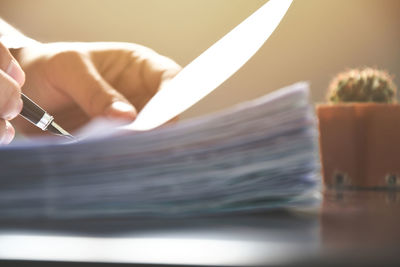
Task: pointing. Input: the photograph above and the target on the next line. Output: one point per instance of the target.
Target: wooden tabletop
(346, 228)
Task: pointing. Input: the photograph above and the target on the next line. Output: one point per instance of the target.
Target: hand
(11, 79)
(75, 82)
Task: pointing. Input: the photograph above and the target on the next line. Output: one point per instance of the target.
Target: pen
(39, 117)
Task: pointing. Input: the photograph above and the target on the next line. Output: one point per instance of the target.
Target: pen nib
(57, 130)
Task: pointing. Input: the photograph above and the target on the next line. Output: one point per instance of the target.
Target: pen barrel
(34, 113)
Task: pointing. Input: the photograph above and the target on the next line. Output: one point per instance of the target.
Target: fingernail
(15, 72)
(8, 134)
(123, 110)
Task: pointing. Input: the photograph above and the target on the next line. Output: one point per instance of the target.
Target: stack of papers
(258, 155)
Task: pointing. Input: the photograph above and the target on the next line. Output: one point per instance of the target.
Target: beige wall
(317, 38)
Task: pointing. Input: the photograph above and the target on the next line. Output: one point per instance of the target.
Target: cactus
(362, 85)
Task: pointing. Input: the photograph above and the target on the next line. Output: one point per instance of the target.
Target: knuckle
(65, 59)
(65, 68)
(69, 53)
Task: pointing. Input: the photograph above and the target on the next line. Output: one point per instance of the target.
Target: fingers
(7, 132)
(76, 75)
(11, 79)
(10, 66)
(10, 97)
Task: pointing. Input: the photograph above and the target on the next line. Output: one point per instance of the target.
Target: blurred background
(316, 39)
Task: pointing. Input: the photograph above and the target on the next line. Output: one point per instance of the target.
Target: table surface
(346, 228)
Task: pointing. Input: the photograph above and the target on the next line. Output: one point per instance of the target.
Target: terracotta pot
(360, 144)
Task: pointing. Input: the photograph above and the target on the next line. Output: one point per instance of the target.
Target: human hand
(76, 82)
(11, 79)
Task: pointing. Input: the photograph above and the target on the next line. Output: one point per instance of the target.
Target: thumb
(84, 84)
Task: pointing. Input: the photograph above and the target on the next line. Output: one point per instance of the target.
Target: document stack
(259, 155)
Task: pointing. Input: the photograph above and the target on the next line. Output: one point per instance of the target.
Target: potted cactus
(360, 131)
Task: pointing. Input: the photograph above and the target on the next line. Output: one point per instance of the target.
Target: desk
(346, 228)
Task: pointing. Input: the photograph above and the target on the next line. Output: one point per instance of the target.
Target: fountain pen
(39, 117)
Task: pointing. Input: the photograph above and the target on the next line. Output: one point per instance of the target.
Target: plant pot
(360, 145)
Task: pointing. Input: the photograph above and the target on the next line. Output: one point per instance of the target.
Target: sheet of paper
(212, 67)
